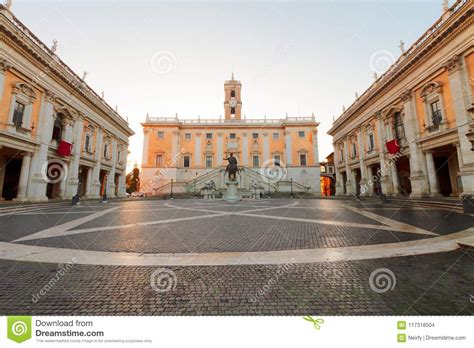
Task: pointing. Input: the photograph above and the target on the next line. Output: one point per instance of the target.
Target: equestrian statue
(232, 167)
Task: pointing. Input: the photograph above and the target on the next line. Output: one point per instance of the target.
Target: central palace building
(277, 155)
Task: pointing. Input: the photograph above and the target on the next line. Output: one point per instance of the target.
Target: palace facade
(408, 134)
(58, 138)
(276, 155)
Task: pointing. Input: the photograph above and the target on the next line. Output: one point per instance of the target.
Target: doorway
(12, 178)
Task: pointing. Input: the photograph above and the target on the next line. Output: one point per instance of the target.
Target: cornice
(50, 64)
(458, 22)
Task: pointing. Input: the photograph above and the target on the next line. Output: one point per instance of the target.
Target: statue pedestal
(231, 195)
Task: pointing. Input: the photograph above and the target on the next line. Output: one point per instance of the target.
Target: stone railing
(216, 121)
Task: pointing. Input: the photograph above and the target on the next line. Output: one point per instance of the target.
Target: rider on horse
(232, 167)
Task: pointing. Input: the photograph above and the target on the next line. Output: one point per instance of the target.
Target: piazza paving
(269, 256)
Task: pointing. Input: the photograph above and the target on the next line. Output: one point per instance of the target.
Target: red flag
(64, 148)
(393, 147)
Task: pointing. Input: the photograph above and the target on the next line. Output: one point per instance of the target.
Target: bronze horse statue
(232, 167)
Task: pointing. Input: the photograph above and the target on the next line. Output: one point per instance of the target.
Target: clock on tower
(232, 101)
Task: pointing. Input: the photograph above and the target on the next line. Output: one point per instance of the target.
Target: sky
(167, 58)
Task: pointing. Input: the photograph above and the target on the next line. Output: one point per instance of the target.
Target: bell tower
(232, 101)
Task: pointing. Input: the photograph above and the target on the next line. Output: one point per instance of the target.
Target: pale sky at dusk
(292, 57)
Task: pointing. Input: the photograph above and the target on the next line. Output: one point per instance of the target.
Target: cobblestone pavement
(436, 283)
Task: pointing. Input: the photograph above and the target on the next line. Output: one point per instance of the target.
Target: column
(44, 133)
(122, 185)
(288, 149)
(338, 186)
(349, 188)
(95, 191)
(198, 150)
(220, 149)
(73, 175)
(89, 182)
(418, 179)
(111, 174)
(245, 149)
(432, 178)
(364, 188)
(395, 183)
(266, 148)
(24, 173)
(146, 140)
(384, 179)
(461, 101)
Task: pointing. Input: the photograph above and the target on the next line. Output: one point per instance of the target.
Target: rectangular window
(106, 150)
(276, 136)
(87, 143)
(208, 161)
(371, 142)
(161, 135)
(354, 150)
(398, 123)
(323, 169)
(256, 162)
(18, 114)
(436, 115)
(232, 136)
(276, 160)
(302, 159)
(331, 169)
(187, 136)
(209, 136)
(341, 155)
(301, 134)
(254, 135)
(57, 128)
(159, 161)
(187, 161)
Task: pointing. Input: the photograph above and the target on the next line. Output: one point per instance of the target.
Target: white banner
(236, 332)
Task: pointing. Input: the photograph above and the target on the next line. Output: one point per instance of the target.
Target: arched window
(232, 111)
(232, 94)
